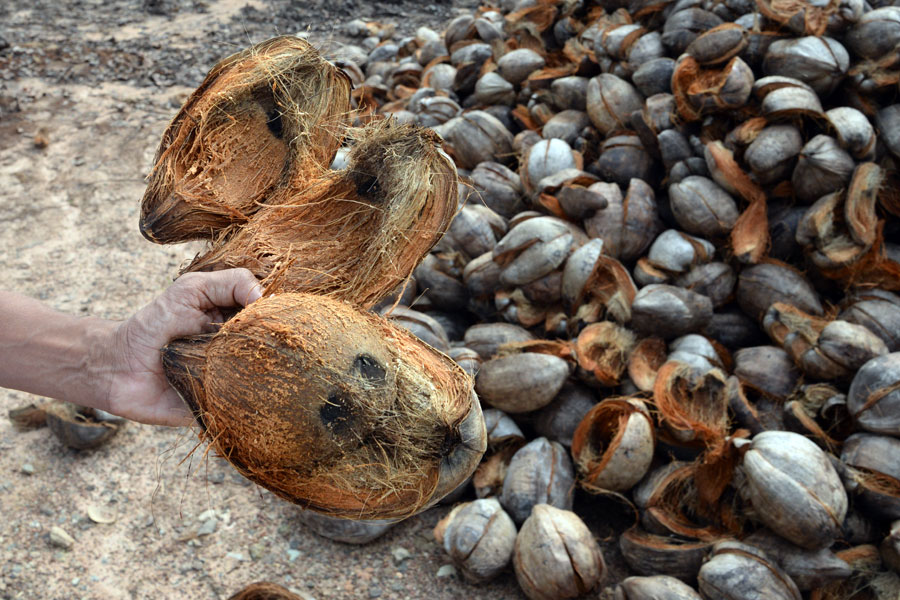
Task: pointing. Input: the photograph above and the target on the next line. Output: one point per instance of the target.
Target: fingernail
(255, 294)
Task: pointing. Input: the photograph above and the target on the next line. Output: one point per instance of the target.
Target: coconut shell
(353, 234)
(613, 445)
(331, 408)
(271, 114)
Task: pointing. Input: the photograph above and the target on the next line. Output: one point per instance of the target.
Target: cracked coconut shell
(331, 408)
(353, 234)
(264, 117)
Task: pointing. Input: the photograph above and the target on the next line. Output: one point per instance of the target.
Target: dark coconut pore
(331, 408)
(354, 234)
(263, 117)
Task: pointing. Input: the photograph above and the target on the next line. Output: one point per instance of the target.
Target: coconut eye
(369, 368)
(368, 187)
(267, 103)
(273, 121)
(337, 414)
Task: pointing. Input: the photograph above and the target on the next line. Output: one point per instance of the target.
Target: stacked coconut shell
(674, 274)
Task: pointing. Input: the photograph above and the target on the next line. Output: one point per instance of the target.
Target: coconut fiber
(262, 118)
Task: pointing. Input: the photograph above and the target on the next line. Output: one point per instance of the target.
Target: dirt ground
(86, 89)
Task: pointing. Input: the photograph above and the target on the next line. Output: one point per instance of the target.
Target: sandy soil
(86, 89)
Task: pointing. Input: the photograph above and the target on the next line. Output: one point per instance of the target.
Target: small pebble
(292, 554)
(257, 551)
(237, 556)
(400, 554)
(59, 537)
(446, 571)
(208, 526)
(374, 592)
(28, 469)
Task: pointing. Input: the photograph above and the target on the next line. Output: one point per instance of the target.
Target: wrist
(103, 353)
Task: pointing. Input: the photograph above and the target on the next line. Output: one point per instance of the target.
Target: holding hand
(115, 366)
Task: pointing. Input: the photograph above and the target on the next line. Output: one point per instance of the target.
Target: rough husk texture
(264, 590)
(354, 234)
(271, 114)
(328, 407)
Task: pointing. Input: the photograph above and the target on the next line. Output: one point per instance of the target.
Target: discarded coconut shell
(347, 531)
(540, 472)
(556, 557)
(80, 427)
(740, 572)
(656, 587)
(795, 489)
(613, 446)
(808, 568)
(268, 115)
(875, 395)
(353, 234)
(668, 555)
(479, 537)
(331, 408)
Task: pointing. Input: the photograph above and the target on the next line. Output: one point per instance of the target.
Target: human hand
(138, 388)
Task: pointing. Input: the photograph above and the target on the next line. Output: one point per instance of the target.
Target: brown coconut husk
(693, 407)
(609, 290)
(354, 234)
(675, 505)
(812, 17)
(264, 590)
(644, 362)
(273, 113)
(602, 350)
(750, 237)
(331, 408)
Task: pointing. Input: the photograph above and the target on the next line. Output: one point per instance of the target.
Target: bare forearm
(52, 354)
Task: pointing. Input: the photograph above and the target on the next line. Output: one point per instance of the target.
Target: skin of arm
(115, 366)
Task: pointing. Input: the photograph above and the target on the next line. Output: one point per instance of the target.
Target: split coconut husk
(693, 406)
(271, 114)
(353, 234)
(331, 408)
(613, 445)
(264, 590)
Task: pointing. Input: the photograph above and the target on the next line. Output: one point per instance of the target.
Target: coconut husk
(692, 406)
(601, 435)
(264, 590)
(354, 234)
(644, 362)
(29, 416)
(750, 236)
(675, 505)
(609, 290)
(271, 114)
(713, 473)
(811, 18)
(331, 408)
(602, 350)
